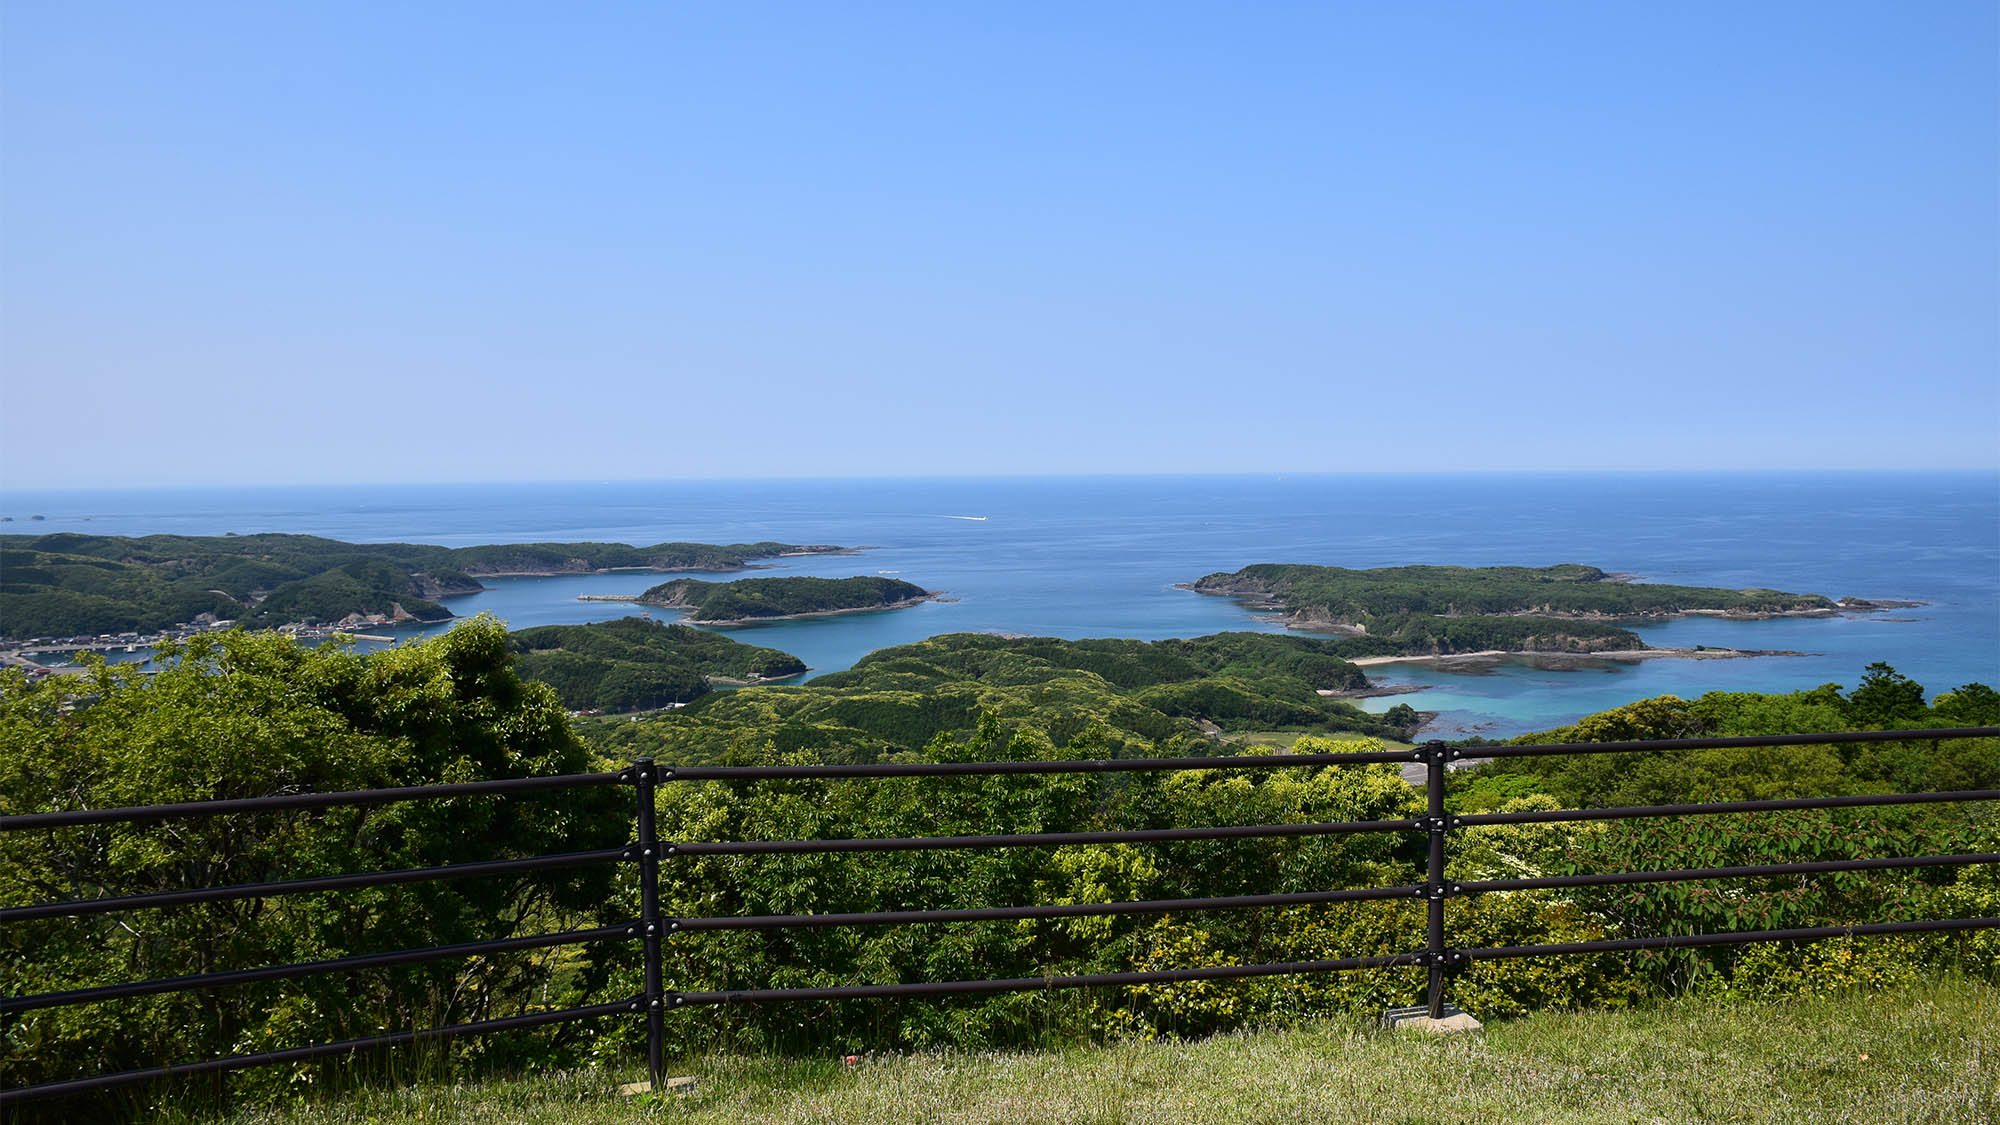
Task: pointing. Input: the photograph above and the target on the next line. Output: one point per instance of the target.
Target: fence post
(1435, 756)
(643, 775)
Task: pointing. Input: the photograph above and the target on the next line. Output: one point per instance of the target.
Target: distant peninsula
(752, 601)
(1414, 611)
(68, 585)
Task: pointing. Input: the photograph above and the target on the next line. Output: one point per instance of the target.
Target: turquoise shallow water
(1100, 556)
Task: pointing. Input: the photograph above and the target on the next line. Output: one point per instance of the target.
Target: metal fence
(651, 928)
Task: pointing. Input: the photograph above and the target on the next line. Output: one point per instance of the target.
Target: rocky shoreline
(1459, 661)
(1271, 608)
(1372, 691)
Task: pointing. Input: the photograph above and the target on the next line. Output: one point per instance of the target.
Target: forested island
(68, 585)
(748, 601)
(1091, 697)
(1445, 610)
(634, 664)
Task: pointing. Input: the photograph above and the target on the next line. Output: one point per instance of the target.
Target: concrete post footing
(1419, 1019)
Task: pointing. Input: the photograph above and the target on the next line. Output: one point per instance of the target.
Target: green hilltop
(633, 664)
(1121, 697)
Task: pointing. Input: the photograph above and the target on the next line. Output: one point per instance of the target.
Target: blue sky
(351, 242)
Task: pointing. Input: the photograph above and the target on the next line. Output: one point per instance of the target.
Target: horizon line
(10, 488)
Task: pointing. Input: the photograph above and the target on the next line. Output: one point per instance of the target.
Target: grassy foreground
(1925, 1054)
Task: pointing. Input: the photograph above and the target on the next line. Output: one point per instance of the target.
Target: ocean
(1101, 556)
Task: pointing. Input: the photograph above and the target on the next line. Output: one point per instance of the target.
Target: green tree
(1974, 705)
(248, 715)
(1886, 700)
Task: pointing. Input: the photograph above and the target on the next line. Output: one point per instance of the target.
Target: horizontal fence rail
(1018, 913)
(1685, 941)
(82, 907)
(289, 801)
(1026, 984)
(312, 968)
(1838, 738)
(1691, 874)
(1636, 812)
(1037, 839)
(652, 927)
(306, 801)
(996, 769)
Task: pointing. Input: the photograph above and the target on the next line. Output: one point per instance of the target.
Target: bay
(1101, 556)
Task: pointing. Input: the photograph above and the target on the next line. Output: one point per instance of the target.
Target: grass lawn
(1926, 1054)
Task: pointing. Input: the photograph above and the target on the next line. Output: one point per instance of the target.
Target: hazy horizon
(14, 499)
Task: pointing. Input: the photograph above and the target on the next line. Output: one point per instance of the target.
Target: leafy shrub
(247, 715)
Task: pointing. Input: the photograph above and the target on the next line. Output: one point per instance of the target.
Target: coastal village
(23, 654)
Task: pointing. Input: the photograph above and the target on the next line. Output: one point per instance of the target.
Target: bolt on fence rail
(651, 928)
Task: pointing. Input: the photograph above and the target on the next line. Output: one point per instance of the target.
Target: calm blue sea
(1099, 556)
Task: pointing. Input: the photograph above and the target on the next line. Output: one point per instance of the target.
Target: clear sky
(345, 241)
